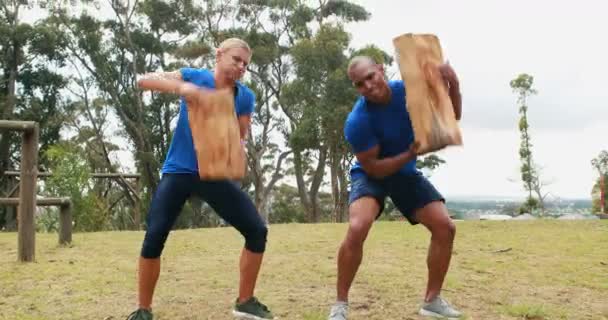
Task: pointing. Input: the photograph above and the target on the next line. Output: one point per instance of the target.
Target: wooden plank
(216, 136)
(17, 125)
(93, 175)
(42, 202)
(27, 196)
(427, 99)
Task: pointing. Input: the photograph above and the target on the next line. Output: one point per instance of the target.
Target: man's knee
(255, 239)
(445, 230)
(358, 230)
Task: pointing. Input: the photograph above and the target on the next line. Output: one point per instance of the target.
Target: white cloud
(489, 43)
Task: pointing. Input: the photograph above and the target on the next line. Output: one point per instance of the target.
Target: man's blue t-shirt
(181, 157)
(389, 126)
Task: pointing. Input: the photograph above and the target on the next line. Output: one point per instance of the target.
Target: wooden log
(93, 175)
(65, 214)
(43, 202)
(427, 99)
(216, 136)
(27, 195)
(18, 125)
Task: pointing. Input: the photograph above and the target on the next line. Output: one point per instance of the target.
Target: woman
(180, 179)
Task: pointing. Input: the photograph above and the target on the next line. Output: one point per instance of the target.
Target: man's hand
(449, 76)
(453, 84)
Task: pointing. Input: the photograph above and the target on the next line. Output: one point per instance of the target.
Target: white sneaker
(338, 311)
(439, 307)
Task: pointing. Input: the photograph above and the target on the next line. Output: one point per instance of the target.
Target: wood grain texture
(427, 99)
(216, 135)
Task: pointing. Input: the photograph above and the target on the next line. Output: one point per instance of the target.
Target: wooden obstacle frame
(26, 202)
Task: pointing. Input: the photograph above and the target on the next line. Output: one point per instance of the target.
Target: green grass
(553, 270)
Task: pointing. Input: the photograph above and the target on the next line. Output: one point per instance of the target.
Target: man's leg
(166, 205)
(420, 202)
(366, 201)
(362, 213)
(234, 206)
(434, 216)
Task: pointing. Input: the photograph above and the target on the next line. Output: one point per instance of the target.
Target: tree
(523, 86)
(600, 163)
(317, 100)
(31, 87)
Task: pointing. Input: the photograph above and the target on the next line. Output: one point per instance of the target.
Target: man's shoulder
(358, 114)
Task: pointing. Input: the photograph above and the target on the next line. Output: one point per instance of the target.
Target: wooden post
(27, 195)
(65, 224)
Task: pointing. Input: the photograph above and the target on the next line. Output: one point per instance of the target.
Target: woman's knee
(255, 239)
(154, 243)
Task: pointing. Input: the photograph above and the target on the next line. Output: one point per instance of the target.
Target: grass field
(500, 270)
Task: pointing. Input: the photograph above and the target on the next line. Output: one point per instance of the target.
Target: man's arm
(380, 168)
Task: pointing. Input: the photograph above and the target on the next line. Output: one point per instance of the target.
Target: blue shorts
(408, 192)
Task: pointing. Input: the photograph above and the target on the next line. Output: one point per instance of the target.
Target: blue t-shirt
(181, 157)
(389, 126)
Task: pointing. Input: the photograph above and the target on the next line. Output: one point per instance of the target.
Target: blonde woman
(180, 179)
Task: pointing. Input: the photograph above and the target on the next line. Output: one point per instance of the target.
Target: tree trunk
(342, 208)
(339, 188)
(302, 193)
(602, 194)
(317, 179)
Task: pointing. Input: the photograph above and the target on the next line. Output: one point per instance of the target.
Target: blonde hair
(355, 61)
(231, 43)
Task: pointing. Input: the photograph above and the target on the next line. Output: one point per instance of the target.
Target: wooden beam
(93, 175)
(42, 202)
(27, 126)
(65, 214)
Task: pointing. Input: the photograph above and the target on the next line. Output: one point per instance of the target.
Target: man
(380, 133)
(181, 179)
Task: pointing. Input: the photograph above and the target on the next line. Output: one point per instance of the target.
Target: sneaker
(440, 308)
(338, 311)
(140, 314)
(251, 309)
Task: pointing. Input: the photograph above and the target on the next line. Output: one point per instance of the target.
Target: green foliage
(523, 86)
(286, 206)
(71, 178)
(529, 206)
(595, 195)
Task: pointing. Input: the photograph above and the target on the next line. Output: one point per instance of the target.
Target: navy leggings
(224, 196)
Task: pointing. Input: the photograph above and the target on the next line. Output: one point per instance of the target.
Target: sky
(488, 43)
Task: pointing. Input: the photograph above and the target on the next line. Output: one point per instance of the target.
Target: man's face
(368, 79)
(233, 62)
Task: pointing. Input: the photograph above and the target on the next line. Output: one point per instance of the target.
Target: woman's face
(233, 62)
